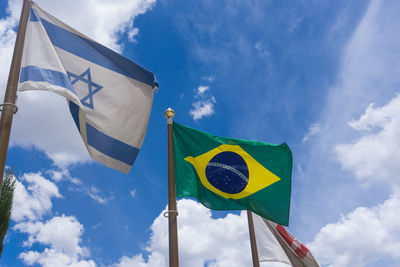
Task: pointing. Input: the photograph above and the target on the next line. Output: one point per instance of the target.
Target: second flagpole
(172, 212)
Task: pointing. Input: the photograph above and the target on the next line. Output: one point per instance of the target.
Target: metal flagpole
(8, 107)
(253, 244)
(172, 212)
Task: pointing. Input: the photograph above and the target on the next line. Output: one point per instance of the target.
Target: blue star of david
(92, 87)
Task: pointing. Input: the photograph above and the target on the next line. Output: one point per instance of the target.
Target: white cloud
(63, 235)
(361, 237)
(374, 155)
(45, 116)
(314, 129)
(57, 175)
(201, 89)
(33, 200)
(202, 108)
(202, 239)
(155, 259)
(51, 258)
(205, 106)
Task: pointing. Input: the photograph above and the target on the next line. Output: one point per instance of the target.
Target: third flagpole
(253, 243)
(172, 210)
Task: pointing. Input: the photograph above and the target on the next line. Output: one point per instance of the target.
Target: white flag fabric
(276, 244)
(269, 249)
(109, 96)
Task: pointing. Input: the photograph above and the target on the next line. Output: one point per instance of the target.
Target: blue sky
(321, 76)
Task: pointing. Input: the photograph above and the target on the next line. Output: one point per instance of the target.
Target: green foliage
(6, 201)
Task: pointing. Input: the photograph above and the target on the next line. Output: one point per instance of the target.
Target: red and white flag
(276, 244)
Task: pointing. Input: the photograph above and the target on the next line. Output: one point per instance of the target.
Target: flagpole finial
(169, 113)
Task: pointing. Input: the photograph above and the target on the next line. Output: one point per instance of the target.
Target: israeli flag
(109, 96)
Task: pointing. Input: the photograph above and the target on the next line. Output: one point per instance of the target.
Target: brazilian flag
(233, 174)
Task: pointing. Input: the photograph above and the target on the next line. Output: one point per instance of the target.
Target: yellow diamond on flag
(231, 172)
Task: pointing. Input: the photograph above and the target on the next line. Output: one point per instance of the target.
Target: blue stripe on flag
(36, 74)
(74, 109)
(104, 143)
(96, 53)
(111, 146)
(34, 15)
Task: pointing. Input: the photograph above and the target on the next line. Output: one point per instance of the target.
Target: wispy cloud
(93, 192)
(77, 185)
(262, 50)
(314, 129)
(210, 78)
(100, 224)
(364, 140)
